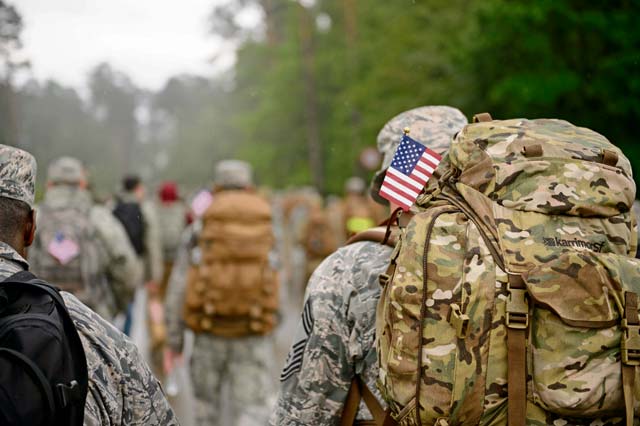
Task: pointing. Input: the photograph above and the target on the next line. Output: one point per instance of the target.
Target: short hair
(130, 182)
(13, 216)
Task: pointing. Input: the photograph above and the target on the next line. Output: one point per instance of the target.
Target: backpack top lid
(546, 165)
(43, 368)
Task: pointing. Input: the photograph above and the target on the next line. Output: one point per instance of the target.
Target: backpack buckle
(68, 394)
(459, 321)
(384, 279)
(517, 308)
(630, 343)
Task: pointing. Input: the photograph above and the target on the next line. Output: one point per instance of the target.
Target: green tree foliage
(568, 59)
(315, 80)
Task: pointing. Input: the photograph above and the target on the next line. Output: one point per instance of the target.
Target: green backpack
(510, 298)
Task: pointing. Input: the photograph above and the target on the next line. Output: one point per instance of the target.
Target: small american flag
(63, 249)
(201, 202)
(411, 167)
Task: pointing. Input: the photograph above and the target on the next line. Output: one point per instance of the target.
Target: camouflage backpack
(67, 253)
(510, 298)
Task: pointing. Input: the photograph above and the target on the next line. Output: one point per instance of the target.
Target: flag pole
(406, 130)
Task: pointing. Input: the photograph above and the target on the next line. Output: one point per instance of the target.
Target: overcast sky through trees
(150, 40)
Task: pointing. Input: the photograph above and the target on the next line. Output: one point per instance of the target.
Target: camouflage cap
(18, 171)
(233, 174)
(66, 170)
(433, 126)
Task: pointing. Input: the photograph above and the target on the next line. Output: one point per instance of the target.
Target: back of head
(233, 174)
(66, 171)
(130, 183)
(168, 192)
(432, 126)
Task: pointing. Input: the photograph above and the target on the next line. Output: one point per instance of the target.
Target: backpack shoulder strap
(359, 391)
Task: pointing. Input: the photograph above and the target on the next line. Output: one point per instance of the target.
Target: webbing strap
(628, 383)
(516, 366)
(629, 371)
(388, 420)
(360, 391)
(482, 117)
(351, 405)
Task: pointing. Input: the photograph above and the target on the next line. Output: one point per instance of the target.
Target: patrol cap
(233, 174)
(66, 170)
(432, 126)
(18, 171)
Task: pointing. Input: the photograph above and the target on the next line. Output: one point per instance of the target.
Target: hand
(171, 360)
(152, 287)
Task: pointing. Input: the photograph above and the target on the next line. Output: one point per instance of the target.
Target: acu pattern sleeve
(335, 337)
(122, 389)
(176, 289)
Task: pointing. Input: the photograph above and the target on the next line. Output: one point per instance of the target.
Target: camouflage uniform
(241, 362)
(122, 390)
(335, 338)
(121, 268)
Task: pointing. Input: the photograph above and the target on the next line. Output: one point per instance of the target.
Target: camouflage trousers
(242, 367)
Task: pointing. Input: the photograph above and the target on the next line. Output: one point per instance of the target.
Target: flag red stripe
(409, 192)
(390, 196)
(400, 191)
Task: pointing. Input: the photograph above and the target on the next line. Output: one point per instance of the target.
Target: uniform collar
(10, 261)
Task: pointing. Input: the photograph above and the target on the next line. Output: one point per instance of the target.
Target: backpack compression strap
(629, 364)
(517, 326)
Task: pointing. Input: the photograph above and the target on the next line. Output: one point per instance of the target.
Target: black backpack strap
(36, 374)
(26, 277)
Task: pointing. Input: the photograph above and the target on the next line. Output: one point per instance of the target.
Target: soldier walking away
(224, 287)
(172, 220)
(332, 363)
(110, 382)
(140, 222)
(80, 247)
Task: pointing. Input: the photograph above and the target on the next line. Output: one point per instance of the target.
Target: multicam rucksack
(67, 252)
(232, 291)
(510, 298)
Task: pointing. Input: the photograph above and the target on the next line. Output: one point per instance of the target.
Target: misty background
(298, 88)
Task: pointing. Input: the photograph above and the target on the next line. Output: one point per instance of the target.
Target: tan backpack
(233, 291)
(511, 298)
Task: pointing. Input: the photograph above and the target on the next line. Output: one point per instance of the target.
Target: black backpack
(130, 215)
(43, 369)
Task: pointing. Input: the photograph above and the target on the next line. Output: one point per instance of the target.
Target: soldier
(333, 359)
(141, 224)
(122, 390)
(80, 246)
(224, 287)
(356, 209)
(172, 219)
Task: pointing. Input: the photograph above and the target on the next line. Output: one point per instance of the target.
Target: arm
(319, 367)
(122, 267)
(176, 288)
